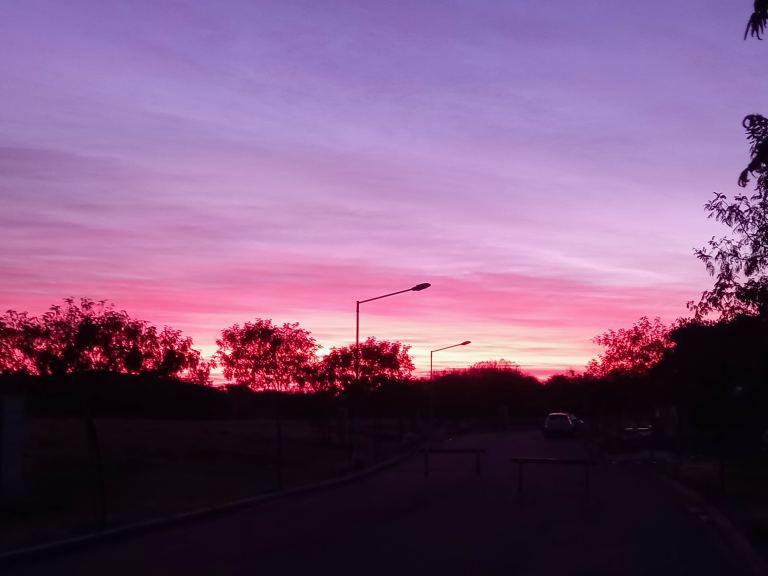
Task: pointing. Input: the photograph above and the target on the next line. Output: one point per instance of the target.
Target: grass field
(155, 467)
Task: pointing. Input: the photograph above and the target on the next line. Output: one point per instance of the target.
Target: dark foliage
(757, 20)
(113, 395)
(739, 261)
(717, 377)
(381, 362)
(632, 351)
(263, 356)
(489, 390)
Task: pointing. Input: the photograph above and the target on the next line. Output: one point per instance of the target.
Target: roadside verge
(710, 513)
(740, 544)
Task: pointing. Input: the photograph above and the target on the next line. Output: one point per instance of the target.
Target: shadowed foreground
(452, 523)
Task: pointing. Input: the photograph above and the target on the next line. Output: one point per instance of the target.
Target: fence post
(377, 449)
(11, 448)
(278, 444)
(721, 473)
(97, 466)
(587, 466)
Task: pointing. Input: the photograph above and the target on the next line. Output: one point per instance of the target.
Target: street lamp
(417, 288)
(431, 352)
(431, 415)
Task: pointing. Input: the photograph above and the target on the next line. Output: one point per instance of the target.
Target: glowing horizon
(543, 166)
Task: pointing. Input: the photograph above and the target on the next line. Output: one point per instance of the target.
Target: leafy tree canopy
(632, 350)
(757, 20)
(381, 361)
(739, 261)
(501, 365)
(268, 357)
(88, 336)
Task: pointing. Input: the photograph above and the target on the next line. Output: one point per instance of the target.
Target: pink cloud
(543, 324)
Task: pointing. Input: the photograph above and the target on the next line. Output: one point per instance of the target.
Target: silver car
(559, 424)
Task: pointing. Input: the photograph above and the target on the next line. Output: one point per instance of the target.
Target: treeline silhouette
(699, 382)
(83, 337)
(86, 357)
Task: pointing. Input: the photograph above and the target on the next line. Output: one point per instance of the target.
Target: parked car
(559, 424)
(638, 431)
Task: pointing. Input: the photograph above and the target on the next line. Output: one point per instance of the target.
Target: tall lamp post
(417, 288)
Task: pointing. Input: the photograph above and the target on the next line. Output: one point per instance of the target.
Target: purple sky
(542, 164)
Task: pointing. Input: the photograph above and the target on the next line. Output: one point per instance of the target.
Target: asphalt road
(398, 522)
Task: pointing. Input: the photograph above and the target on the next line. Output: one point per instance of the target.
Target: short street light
(431, 391)
(431, 352)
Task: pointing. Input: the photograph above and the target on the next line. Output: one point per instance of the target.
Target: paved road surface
(398, 522)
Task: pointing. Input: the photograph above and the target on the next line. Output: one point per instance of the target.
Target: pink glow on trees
(263, 356)
(632, 350)
(381, 361)
(86, 336)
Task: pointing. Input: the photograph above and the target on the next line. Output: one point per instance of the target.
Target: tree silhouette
(86, 336)
(739, 261)
(19, 334)
(381, 361)
(632, 350)
(501, 365)
(488, 389)
(717, 371)
(757, 20)
(268, 357)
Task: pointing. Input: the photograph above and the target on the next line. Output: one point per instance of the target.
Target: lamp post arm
(384, 296)
(446, 347)
(417, 288)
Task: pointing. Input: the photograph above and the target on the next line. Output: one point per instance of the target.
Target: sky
(543, 165)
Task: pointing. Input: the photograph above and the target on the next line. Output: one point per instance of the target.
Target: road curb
(740, 544)
(198, 514)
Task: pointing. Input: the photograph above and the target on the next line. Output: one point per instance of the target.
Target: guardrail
(478, 453)
(586, 463)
